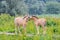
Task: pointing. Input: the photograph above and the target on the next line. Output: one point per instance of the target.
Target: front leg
(44, 30)
(24, 27)
(37, 29)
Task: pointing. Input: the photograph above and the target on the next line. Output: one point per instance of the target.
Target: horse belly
(20, 22)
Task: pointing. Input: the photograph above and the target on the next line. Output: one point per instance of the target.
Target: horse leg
(15, 29)
(19, 29)
(24, 27)
(37, 29)
(44, 30)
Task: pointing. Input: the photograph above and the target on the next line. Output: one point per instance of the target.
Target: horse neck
(35, 19)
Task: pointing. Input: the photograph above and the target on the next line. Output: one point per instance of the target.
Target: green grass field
(52, 26)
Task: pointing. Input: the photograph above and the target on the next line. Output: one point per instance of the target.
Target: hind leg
(24, 27)
(19, 30)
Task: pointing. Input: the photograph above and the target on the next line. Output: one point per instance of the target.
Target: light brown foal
(21, 21)
(38, 22)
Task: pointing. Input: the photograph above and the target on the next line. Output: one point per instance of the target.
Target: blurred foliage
(32, 7)
(53, 7)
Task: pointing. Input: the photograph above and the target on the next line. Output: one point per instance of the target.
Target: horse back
(42, 21)
(18, 20)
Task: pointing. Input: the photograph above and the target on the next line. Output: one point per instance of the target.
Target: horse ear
(24, 17)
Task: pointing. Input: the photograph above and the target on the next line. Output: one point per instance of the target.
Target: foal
(38, 22)
(21, 21)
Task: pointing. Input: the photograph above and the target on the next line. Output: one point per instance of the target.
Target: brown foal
(21, 21)
(38, 22)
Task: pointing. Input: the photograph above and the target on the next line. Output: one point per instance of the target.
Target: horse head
(27, 17)
(33, 18)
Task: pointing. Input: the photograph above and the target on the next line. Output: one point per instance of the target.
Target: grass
(52, 26)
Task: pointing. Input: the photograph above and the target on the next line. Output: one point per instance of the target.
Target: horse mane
(35, 17)
(24, 17)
